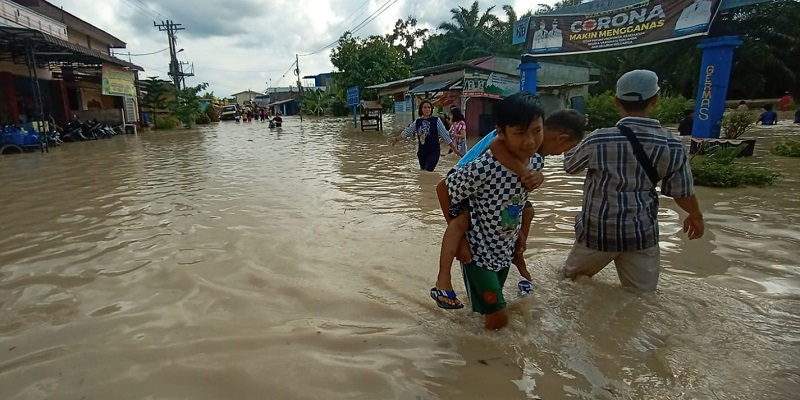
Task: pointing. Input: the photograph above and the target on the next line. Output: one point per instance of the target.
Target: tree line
(766, 65)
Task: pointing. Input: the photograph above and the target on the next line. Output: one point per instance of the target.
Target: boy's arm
(501, 153)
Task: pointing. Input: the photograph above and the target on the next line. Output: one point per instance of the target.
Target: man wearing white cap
(619, 216)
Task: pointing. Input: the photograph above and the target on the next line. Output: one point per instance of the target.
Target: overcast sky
(246, 44)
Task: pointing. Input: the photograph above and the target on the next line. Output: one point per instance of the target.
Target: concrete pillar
(528, 76)
(712, 90)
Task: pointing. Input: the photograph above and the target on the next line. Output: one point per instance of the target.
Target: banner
(489, 84)
(118, 81)
(521, 30)
(621, 24)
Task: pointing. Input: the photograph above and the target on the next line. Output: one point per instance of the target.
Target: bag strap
(641, 156)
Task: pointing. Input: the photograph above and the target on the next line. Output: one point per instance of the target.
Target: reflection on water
(242, 262)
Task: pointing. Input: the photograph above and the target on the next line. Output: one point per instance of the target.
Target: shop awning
(393, 83)
(277, 103)
(431, 87)
(561, 85)
(51, 51)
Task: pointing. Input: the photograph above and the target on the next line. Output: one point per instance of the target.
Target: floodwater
(239, 262)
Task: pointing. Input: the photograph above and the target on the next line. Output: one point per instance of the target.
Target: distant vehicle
(228, 113)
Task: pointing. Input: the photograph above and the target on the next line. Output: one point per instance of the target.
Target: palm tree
(468, 36)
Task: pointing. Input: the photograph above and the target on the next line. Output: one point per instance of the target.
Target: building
(247, 96)
(285, 100)
(324, 80)
(52, 62)
(475, 85)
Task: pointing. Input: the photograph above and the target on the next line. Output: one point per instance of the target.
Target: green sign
(118, 81)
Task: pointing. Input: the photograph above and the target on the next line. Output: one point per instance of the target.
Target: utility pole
(175, 68)
(184, 74)
(299, 85)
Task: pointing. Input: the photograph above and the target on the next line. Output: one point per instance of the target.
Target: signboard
(521, 30)
(604, 5)
(352, 96)
(727, 4)
(117, 81)
(618, 25)
(489, 84)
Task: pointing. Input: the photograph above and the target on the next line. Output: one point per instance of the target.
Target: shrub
(718, 169)
(602, 111)
(212, 114)
(736, 123)
(787, 148)
(202, 119)
(339, 107)
(166, 121)
(670, 109)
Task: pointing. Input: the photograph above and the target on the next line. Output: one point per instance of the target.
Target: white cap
(637, 85)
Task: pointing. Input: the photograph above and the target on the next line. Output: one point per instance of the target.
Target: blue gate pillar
(712, 90)
(529, 74)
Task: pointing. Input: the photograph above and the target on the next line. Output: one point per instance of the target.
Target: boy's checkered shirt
(496, 199)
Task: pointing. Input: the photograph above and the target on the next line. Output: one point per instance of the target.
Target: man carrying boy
(563, 130)
(496, 196)
(619, 216)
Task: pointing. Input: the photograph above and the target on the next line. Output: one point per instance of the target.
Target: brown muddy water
(239, 262)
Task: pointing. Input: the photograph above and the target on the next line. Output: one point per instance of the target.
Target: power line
(140, 9)
(353, 16)
(238, 70)
(145, 54)
(358, 27)
(151, 7)
(287, 71)
(209, 82)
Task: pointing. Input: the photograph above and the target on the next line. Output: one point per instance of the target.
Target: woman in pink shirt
(458, 131)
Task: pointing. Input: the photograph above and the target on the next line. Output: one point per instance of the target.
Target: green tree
(503, 31)
(155, 95)
(186, 106)
(433, 52)
(407, 38)
(469, 34)
(364, 62)
(768, 63)
(210, 96)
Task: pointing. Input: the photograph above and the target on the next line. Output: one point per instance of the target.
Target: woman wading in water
(428, 130)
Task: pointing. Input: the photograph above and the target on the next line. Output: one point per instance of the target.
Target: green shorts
(484, 288)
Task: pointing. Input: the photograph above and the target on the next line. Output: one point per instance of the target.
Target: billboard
(118, 81)
(489, 84)
(618, 25)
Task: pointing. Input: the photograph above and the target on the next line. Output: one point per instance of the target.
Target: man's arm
(693, 224)
(577, 159)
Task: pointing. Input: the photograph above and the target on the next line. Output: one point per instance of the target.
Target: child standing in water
(563, 130)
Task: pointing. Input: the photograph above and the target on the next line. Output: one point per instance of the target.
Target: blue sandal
(450, 294)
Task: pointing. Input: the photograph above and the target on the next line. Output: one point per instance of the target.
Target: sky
(251, 44)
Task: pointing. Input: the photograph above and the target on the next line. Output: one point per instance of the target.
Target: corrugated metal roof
(431, 87)
(14, 41)
(281, 102)
(392, 83)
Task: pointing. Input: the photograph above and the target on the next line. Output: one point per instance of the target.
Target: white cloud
(242, 44)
